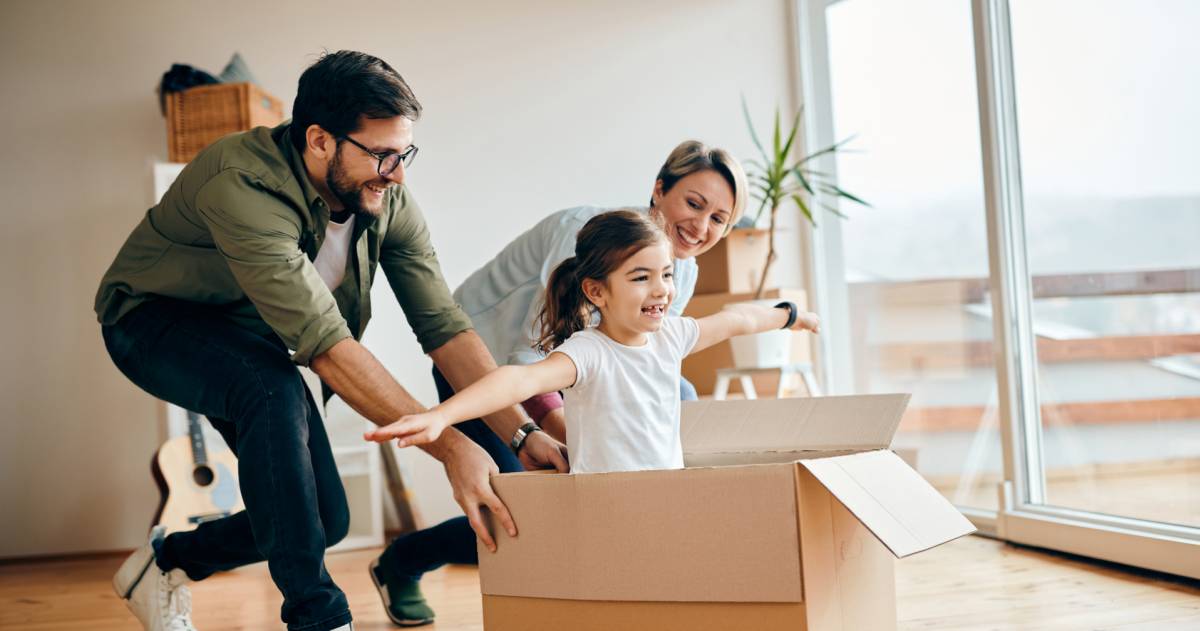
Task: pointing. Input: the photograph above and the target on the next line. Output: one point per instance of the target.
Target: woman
(698, 195)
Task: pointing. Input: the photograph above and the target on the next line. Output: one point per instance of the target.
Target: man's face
(353, 174)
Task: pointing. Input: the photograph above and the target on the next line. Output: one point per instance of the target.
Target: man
(268, 243)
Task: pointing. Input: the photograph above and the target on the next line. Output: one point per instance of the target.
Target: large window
(1106, 102)
(1030, 270)
(916, 263)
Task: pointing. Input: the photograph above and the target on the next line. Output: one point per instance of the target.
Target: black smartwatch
(522, 433)
(793, 312)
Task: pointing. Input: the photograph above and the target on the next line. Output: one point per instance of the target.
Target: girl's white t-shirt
(622, 414)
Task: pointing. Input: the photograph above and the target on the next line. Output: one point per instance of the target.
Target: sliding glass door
(915, 262)
(1031, 268)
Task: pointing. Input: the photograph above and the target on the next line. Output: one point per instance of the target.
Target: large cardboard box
(734, 264)
(788, 516)
(701, 368)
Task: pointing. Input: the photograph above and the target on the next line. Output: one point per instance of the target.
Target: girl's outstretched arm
(745, 319)
(505, 386)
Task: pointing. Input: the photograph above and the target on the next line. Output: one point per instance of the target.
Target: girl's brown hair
(604, 243)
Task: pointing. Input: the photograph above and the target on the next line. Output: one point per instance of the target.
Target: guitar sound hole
(203, 475)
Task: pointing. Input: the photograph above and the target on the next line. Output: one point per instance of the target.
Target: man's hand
(469, 469)
(412, 429)
(543, 452)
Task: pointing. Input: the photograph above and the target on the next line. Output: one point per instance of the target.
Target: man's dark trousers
(247, 386)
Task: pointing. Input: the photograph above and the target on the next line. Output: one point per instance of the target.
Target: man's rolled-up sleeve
(259, 235)
(410, 263)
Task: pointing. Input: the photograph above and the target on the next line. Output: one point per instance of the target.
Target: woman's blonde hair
(692, 156)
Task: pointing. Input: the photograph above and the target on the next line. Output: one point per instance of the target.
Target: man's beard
(344, 189)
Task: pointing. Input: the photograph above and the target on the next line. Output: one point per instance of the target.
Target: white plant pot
(769, 349)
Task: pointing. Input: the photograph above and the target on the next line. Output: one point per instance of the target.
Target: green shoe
(402, 598)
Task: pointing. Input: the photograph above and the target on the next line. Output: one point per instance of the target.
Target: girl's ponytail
(565, 310)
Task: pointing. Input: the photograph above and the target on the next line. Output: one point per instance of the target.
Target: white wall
(529, 107)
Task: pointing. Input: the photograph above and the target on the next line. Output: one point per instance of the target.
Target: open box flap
(891, 500)
(842, 423)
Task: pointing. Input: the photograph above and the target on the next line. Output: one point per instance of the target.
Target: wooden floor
(1161, 490)
(972, 583)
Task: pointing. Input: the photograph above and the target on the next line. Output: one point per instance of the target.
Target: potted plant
(776, 178)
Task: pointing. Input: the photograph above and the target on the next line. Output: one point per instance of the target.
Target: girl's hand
(807, 320)
(413, 429)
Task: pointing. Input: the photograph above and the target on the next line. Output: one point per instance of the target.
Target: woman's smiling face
(696, 211)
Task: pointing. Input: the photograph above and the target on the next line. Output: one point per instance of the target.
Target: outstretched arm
(745, 319)
(500, 388)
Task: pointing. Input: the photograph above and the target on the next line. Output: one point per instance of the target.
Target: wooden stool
(724, 375)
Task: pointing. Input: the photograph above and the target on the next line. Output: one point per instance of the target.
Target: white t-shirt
(331, 258)
(622, 413)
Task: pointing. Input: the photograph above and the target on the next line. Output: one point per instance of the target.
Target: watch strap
(793, 312)
(522, 433)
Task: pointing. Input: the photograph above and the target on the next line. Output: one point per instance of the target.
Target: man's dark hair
(340, 87)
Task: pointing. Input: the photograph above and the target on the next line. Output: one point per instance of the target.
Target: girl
(621, 377)
(698, 194)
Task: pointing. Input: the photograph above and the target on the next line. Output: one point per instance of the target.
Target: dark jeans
(255, 397)
(451, 541)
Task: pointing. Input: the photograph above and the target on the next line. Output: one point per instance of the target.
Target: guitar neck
(196, 434)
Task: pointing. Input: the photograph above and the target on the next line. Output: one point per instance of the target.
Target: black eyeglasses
(390, 160)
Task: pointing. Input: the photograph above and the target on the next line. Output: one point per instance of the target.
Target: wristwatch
(523, 432)
(793, 312)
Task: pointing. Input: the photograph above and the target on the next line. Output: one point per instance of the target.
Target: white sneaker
(160, 600)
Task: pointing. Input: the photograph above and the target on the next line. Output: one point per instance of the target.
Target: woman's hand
(807, 320)
(413, 429)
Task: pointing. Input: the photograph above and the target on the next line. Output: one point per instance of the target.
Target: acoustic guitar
(195, 486)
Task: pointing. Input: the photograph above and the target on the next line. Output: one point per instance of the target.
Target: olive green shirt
(238, 231)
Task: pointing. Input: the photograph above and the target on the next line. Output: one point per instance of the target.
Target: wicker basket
(198, 116)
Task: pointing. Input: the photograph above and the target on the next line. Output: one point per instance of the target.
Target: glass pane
(916, 262)
(1107, 95)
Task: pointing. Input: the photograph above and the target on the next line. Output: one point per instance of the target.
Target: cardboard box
(701, 368)
(788, 516)
(734, 264)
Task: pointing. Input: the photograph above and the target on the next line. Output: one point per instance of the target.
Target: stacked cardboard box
(701, 368)
(730, 272)
(788, 516)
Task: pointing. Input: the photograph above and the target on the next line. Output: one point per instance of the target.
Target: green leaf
(804, 209)
(830, 149)
(834, 211)
(775, 135)
(758, 213)
(787, 146)
(753, 134)
(803, 180)
(833, 189)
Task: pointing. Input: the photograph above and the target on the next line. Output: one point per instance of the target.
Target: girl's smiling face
(633, 300)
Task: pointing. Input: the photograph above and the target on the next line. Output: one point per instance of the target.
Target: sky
(1107, 93)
